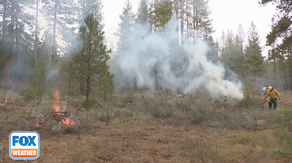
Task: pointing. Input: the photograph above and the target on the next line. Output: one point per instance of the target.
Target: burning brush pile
(55, 117)
(7, 101)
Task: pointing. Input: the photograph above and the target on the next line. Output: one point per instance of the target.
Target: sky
(226, 14)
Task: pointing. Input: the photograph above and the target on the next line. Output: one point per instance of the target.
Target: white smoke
(52, 74)
(159, 61)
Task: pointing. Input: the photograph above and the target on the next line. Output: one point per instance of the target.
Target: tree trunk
(194, 15)
(4, 50)
(197, 22)
(39, 91)
(4, 24)
(177, 18)
(81, 86)
(36, 33)
(290, 77)
(54, 50)
(290, 70)
(156, 80)
(105, 92)
(285, 77)
(182, 22)
(8, 68)
(187, 20)
(275, 70)
(195, 18)
(87, 93)
(70, 83)
(11, 43)
(88, 80)
(16, 30)
(17, 36)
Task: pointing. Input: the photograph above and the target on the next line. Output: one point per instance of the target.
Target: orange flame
(68, 121)
(7, 100)
(57, 102)
(4, 102)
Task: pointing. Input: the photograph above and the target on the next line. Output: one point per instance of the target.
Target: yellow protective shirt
(272, 93)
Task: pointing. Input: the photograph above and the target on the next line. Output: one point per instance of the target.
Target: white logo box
(24, 145)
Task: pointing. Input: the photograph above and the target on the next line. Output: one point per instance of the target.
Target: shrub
(245, 102)
(284, 136)
(200, 150)
(28, 95)
(249, 89)
(179, 90)
(250, 101)
(197, 109)
(92, 102)
(105, 116)
(71, 93)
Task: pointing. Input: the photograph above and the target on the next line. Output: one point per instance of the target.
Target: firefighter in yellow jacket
(274, 95)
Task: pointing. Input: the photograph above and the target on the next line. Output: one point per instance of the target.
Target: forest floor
(189, 129)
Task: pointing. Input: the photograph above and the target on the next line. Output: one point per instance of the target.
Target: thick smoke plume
(159, 61)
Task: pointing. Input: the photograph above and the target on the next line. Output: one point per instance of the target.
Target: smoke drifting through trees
(152, 54)
(157, 61)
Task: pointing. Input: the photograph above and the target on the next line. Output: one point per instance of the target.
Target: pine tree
(273, 56)
(253, 53)
(60, 15)
(160, 14)
(142, 21)
(239, 51)
(14, 37)
(281, 22)
(39, 73)
(73, 67)
(125, 27)
(227, 55)
(289, 66)
(213, 53)
(230, 55)
(87, 7)
(202, 22)
(74, 71)
(280, 37)
(240, 40)
(36, 32)
(188, 19)
(142, 15)
(94, 51)
(105, 81)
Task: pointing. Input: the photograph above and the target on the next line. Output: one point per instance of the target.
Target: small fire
(63, 118)
(39, 120)
(67, 121)
(7, 100)
(4, 102)
(178, 95)
(57, 102)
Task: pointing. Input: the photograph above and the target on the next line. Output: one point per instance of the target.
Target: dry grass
(145, 128)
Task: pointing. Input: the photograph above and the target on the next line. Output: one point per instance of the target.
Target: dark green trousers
(273, 102)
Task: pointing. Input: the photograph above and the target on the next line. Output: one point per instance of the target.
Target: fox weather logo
(24, 145)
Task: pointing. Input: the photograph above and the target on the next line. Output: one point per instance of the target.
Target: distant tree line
(240, 52)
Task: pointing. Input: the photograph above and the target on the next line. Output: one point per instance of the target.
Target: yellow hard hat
(270, 87)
